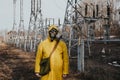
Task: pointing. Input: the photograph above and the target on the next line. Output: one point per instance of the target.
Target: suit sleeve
(38, 58)
(65, 60)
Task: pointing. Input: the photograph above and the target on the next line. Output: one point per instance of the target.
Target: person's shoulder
(42, 42)
(62, 42)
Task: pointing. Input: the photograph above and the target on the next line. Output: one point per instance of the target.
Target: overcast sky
(50, 9)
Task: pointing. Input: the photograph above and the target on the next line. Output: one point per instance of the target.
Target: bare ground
(18, 65)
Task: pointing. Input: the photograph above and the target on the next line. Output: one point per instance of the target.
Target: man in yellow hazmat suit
(59, 61)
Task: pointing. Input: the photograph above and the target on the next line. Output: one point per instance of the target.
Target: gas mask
(53, 33)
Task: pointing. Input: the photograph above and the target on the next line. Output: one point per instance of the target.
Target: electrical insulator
(93, 13)
(86, 10)
(97, 9)
(108, 10)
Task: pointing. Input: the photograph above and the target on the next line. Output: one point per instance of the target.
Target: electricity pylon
(35, 24)
(21, 32)
(14, 33)
(30, 33)
(72, 27)
(38, 25)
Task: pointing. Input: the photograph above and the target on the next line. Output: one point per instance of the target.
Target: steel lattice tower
(72, 30)
(35, 23)
(30, 33)
(38, 24)
(72, 20)
(14, 15)
(13, 34)
(21, 32)
(32, 18)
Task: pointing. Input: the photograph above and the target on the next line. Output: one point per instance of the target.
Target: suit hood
(53, 26)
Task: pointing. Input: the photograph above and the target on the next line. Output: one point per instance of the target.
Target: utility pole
(80, 58)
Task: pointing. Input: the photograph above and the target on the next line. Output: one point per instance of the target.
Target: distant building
(101, 9)
(105, 12)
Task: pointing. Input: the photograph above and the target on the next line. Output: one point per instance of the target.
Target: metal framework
(21, 31)
(78, 27)
(12, 33)
(14, 29)
(38, 24)
(74, 21)
(31, 27)
(35, 25)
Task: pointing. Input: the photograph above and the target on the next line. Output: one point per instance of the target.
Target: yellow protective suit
(59, 60)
